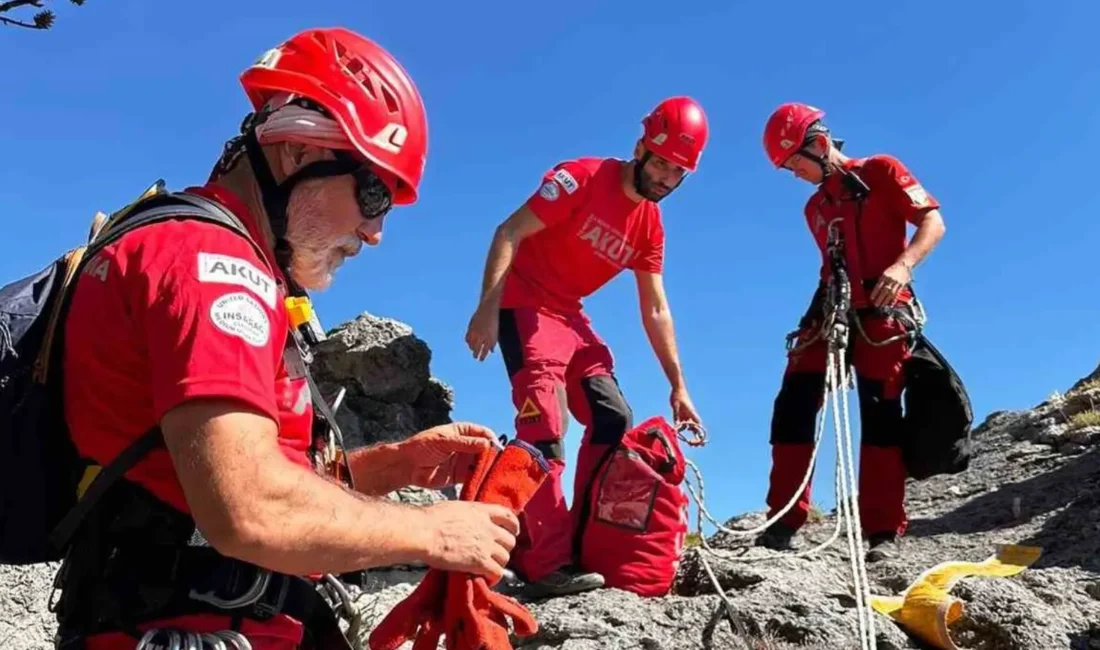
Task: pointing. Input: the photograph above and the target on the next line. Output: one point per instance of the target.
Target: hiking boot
(564, 582)
(777, 537)
(883, 546)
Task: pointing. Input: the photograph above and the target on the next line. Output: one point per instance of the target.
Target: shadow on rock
(1074, 484)
(1072, 537)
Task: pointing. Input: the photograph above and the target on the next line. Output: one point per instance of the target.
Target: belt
(143, 584)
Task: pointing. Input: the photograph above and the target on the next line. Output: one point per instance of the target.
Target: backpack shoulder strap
(177, 205)
(112, 472)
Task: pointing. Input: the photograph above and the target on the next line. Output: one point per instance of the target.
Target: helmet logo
(660, 138)
(270, 58)
(391, 137)
(786, 144)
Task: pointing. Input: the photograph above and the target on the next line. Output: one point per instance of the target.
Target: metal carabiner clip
(239, 641)
(215, 642)
(146, 642)
(259, 586)
(700, 437)
(342, 594)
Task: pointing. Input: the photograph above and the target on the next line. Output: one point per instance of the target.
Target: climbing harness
(184, 640)
(836, 331)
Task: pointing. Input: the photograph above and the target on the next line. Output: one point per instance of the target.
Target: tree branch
(42, 20)
(12, 21)
(15, 4)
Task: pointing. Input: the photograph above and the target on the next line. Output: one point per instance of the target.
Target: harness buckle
(265, 610)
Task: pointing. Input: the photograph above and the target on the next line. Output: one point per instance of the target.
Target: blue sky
(994, 110)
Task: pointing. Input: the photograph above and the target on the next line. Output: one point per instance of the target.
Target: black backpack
(46, 488)
(938, 415)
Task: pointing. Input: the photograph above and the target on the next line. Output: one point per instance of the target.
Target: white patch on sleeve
(239, 314)
(226, 269)
(549, 191)
(917, 195)
(566, 180)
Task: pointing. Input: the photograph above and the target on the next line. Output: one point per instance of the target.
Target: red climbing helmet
(362, 87)
(786, 130)
(677, 131)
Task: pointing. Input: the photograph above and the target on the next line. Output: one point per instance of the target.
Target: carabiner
(259, 586)
(146, 642)
(239, 641)
(334, 585)
(700, 437)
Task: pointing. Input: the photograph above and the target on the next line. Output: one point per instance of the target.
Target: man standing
(590, 219)
(861, 206)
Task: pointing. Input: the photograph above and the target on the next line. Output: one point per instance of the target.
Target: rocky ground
(1035, 480)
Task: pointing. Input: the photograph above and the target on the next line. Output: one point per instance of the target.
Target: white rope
(847, 497)
(850, 501)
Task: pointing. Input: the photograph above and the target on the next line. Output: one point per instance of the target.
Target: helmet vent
(354, 68)
(391, 101)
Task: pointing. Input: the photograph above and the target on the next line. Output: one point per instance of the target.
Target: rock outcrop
(1034, 480)
(385, 369)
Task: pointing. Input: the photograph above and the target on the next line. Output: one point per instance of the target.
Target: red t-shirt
(593, 231)
(171, 312)
(874, 230)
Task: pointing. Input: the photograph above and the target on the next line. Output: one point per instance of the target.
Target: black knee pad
(794, 415)
(611, 415)
(880, 418)
(552, 450)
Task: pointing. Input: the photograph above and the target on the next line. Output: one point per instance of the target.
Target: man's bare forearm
(662, 337)
(501, 253)
(925, 239)
(253, 503)
(299, 523)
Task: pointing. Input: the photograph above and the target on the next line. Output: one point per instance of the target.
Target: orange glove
(460, 605)
(419, 617)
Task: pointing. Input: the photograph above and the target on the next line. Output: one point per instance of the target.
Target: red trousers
(880, 379)
(558, 365)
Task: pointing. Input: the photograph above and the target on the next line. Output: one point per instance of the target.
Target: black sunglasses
(374, 197)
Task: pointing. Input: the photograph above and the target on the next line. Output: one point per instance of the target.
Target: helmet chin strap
(821, 162)
(276, 197)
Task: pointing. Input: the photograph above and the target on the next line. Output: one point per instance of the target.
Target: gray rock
(1083, 436)
(385, 370)
(380, 356)
(25, 621)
